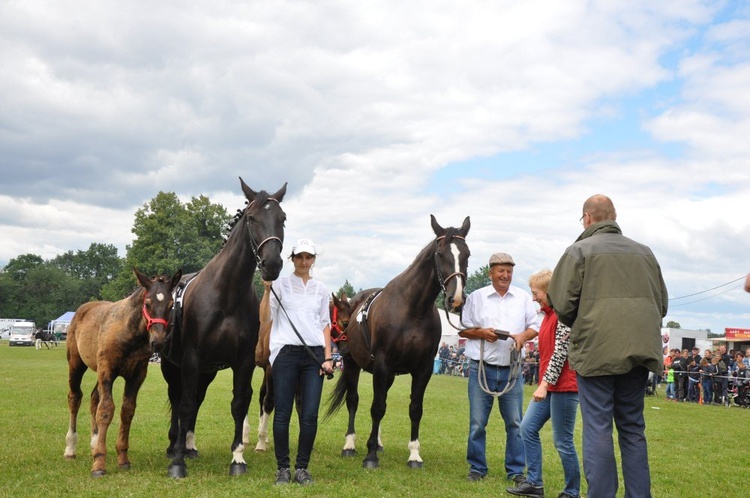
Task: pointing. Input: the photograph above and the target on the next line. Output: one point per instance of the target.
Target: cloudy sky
(381, 113)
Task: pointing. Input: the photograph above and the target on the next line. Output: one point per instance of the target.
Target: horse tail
(337, 396)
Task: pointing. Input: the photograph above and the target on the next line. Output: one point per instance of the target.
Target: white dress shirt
(514, 312)
(307, 306)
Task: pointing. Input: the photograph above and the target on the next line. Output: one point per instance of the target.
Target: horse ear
(465, 227)
(176, 279)
(142, 279)
(280, 194)
(249, 193)
(436, 226)
(336, 301)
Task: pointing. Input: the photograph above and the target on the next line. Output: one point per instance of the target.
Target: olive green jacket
(610, 291)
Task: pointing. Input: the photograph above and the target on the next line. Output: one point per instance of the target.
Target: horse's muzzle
(158, 342)
(270, 268)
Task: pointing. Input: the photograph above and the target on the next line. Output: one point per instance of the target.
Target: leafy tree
(673, 325)
(170, 235)
(95, 267)
(18, 268)
(346, 288)
(480, 278)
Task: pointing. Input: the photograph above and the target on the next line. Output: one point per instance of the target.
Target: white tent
(450, 334)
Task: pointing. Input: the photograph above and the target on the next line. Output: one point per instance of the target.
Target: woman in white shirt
(294, 370)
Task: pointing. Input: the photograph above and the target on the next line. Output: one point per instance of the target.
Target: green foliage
(480, 278)
(346, 288)
(170, 235)
(41, 291)
(34, 439)
(18, 268)
(673, 325)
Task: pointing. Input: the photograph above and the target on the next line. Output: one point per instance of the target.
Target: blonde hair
(541, 279)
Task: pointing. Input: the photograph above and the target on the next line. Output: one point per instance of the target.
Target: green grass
(693, 450)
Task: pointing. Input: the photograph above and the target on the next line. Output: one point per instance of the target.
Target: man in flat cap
(498, 306)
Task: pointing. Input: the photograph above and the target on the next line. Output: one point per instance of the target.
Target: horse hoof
(237, 469)
(177, 471)
(70, 457)
(124, 466)
(414, 464)
(98, 473)
(370, 464)
(192, 454)
(348, 453)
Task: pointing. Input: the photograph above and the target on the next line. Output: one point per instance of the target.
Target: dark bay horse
(340, 312)
(401, 334)
(218, 327)
(115, 340)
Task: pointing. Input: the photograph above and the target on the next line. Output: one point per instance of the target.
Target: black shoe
(566, 495)
(302, 477)
(526, 489)
(517, 479)
(283, 476)
(475, 476)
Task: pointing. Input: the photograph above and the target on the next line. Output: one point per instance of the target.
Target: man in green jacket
(609, 289)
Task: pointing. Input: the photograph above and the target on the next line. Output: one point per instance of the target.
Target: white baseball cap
(304, 245)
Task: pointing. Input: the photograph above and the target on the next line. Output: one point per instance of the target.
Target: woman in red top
(556, 398)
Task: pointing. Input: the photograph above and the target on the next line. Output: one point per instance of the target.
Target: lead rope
(514, 367)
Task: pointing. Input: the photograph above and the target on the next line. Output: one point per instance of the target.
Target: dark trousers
(294, 369)
(619, 398)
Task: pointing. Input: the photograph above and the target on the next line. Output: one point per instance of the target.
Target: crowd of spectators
(716, 378)
(452, 361)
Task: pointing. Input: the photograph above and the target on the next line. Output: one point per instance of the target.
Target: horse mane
(261, 198)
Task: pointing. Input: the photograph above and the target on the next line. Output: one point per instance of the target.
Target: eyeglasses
(582, 217)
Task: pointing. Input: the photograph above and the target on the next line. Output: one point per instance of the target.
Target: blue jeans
(294, 369)
(480, 406)
(618, 397)
(670, 390)
(707, 391)
(561, 408)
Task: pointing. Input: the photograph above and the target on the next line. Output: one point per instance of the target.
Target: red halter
(335, 326)
(150, 321)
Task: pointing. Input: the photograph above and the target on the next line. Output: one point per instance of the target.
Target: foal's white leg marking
(380, 441)
(349, 441)
(190, 441)
(414, 451)
(458, 295)
(263, 432)
(245, 431)
(237, 455)
(94, 440)
(71, 440)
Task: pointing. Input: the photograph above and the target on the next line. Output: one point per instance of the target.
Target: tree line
(167, 235)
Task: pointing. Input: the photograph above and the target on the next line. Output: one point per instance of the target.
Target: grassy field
(695, 451)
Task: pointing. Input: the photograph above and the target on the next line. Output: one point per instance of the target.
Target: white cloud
(359, 107)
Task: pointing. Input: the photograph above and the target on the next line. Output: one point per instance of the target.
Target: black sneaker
(525, 488)
(283, 476)
(475, 476)
(302, 477)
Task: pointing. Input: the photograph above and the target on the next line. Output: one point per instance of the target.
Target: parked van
(22, 334)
